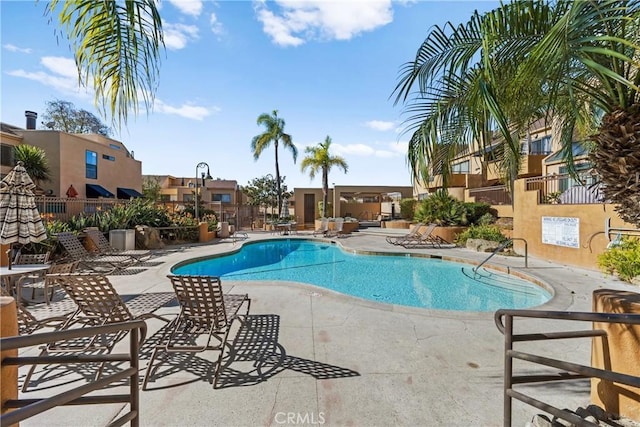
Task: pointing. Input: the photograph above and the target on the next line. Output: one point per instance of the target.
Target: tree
(63, 116)
(319, 160)
(116, 46)
(264, 192)
(575, 61)
(35, 162)
(274, 133)
(151, 188)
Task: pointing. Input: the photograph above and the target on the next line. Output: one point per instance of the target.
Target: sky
(328, 68)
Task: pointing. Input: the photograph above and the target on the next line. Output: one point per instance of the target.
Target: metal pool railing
(27, 408)
(505, 322)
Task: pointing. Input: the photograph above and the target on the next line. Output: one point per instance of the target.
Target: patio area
(311, 356)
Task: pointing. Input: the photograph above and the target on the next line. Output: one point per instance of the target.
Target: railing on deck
(496, 195)
(570, 371)
(27, 408)
(566, 189)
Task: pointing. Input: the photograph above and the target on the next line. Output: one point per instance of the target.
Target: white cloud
(188, 7)
(61, 74)
(13, 48)
(188, 111)
(216, 26)
(176, 36)
(380, 125)
(298, 21)
(363, 150)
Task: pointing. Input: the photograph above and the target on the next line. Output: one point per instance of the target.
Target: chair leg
(148, 371)
(27, 379)
(216, 373)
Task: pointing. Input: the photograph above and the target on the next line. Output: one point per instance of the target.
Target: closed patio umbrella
(20, 220)
(284, 212)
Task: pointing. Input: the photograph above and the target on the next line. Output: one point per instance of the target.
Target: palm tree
(574, 60)
(319, 159)
(117, 47)
(274, 133)
(35, 162)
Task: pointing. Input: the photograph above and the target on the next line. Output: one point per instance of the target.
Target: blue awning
(127, 193)
(95, 191)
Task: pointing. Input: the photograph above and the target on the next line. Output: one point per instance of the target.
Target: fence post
(8, 328)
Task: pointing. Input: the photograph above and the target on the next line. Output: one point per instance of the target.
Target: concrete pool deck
(342, 360)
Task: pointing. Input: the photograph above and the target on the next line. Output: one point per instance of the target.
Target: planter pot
(450, 234)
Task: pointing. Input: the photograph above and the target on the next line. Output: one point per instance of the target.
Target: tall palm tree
(274, 133)
(319, 159)
(35, 162)
(116, 45)
(574, 60)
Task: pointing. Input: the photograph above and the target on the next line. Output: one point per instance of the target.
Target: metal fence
(496, 195)
(566, 189)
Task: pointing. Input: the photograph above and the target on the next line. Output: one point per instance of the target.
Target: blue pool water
(403, 280)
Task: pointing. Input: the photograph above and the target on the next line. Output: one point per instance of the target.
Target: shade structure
(19, 216)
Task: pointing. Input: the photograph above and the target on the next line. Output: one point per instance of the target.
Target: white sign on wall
(561, 231)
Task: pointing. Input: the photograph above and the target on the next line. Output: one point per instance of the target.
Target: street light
(200, 165)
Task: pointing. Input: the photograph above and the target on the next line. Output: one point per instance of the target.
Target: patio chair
(426, 239)
(104, 247)
(99, 263)
(44, 282)
(323, 228)
(21, 258)
(98, 304)
(205, 311)
(337, 228)
(413, 234)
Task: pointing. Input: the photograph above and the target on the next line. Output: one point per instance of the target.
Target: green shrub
(485, 232)
(622, 260)
(444, 209)
(487, 219)
(407, 208)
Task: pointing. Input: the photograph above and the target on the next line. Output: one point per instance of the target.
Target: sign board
(561, 231)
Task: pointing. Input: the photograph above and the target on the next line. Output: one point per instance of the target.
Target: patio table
(10, 276)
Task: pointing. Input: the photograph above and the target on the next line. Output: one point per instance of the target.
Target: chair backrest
(95, 296)
(415, 230)
(324, 224)
(31, 258)
(201, 300)
(98, 239)
(73, 245)
(427, 233)
(338, 224)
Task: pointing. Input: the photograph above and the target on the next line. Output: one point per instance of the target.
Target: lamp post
(200, 165)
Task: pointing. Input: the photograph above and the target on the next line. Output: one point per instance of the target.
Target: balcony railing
(566, 189)
(496, 195)
(64, 208)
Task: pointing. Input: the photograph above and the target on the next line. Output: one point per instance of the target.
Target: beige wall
(527, 224)
(66, 154)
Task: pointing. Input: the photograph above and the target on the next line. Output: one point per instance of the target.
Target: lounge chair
(99, 263)
(412, 234)
(98, 304)
(337, 228)
(426, 239)
(104, 247)
(44, 282)
(323, 228)
(204, 311)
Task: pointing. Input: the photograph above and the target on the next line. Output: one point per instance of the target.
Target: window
(115, 146)
(108, 157)
(165, 197)
(224, 198)
(7, 155)
(92, 164)
(462, 167)
(540, 146)
(187, 197)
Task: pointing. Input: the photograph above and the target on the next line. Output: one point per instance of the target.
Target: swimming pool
(404, 280)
